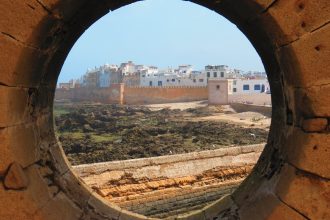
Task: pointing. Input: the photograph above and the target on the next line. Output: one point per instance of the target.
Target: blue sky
(164, 33)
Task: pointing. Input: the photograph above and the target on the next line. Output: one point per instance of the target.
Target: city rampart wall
(120, 94)
(157, 95)
(110, 95)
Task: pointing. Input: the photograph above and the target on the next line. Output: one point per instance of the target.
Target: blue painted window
(246, 87)
(257, 87)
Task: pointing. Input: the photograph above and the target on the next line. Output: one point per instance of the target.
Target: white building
(128, 67)
(158, 79)
(105, 75)
(105, 79)
(184, 75)
(218, 72)
(255, 74)
(178, 77)
(248, 86)
(185, 69)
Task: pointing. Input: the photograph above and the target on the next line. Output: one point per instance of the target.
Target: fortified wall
(155, 95)
(110, 95)
(120, 94)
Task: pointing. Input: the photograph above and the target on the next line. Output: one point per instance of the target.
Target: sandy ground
(226, 114)
(179, 105)
(244, 119)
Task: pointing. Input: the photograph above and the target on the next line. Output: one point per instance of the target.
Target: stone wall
(169, 185)
(169, 166)
(241, 107)
(255, 99)
(156, 95)
(111, 95)
(119, 94)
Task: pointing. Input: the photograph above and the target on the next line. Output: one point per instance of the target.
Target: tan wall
(155, 95)
(133, 95)
(256, 99)
(111, 95)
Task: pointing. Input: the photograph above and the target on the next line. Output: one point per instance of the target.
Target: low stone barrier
(171, 166)
(168, 186)
(241, 107)
(251, 98)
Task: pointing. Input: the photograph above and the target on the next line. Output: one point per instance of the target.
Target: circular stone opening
(138, 150)
(36, 178)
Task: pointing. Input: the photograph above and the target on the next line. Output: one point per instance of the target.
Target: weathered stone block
(312, 102)
(15, 178)
(64, 9)
(16, 205)
(13, 106)
(23, 204)
(19, 144)
(304, 61)
(20, 65)
(315, 124)
(42, 187)
(60, 207)
(269, 207)
(306, 193)
(309, 151)
(297, 18)
(27, 21)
